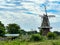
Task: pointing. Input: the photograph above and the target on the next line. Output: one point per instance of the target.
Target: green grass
(17, 42)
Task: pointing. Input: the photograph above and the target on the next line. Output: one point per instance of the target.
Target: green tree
(57, 32)
(2, 29)
(36, 37)
(32, 32)
(22, 32)
(41, 32)
(51, 35)
(13, 28)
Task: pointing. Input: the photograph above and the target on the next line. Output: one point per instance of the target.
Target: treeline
(57, 32)
(16, 29)
(13, 29)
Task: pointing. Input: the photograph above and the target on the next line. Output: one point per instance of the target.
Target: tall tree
(13, 28)
(2, 29)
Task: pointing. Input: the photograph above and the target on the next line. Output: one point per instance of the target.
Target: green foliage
(36, 37)
(22, 32)
(1, 33)
(58, 33)
(51, 35)
(13, 28)
(56, 43)
(2, 29)
(18, 42)
(32, 32)
(41, 32)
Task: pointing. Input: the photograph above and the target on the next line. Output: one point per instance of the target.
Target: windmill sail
(45, 10)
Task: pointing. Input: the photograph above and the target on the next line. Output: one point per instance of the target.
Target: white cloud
(27, 21)
(54, 0)
(24, 20)
(55, 29)
(39, 1)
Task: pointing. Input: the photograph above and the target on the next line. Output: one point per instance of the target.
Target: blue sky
(26, 13)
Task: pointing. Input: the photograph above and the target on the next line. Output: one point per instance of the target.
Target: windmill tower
(45, 25)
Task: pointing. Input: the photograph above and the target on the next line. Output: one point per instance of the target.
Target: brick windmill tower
(45, 25)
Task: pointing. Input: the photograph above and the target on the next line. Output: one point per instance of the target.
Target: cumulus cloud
(26, 12)
(24, 20)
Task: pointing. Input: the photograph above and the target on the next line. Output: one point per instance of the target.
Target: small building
(12, 35)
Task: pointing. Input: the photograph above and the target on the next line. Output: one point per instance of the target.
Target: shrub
(41, 32)
(51, 35)
(56, 43)
(36, 37)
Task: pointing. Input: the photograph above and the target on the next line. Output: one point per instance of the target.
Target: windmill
(45, 25)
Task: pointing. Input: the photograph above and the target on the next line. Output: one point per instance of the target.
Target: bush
(56, 43)
(51, 35)
(36, 37)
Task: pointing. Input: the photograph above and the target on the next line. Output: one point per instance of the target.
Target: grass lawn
(47, 42)
(17, 42)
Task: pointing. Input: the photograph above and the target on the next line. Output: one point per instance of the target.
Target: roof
(11, 34)
(45, 27)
